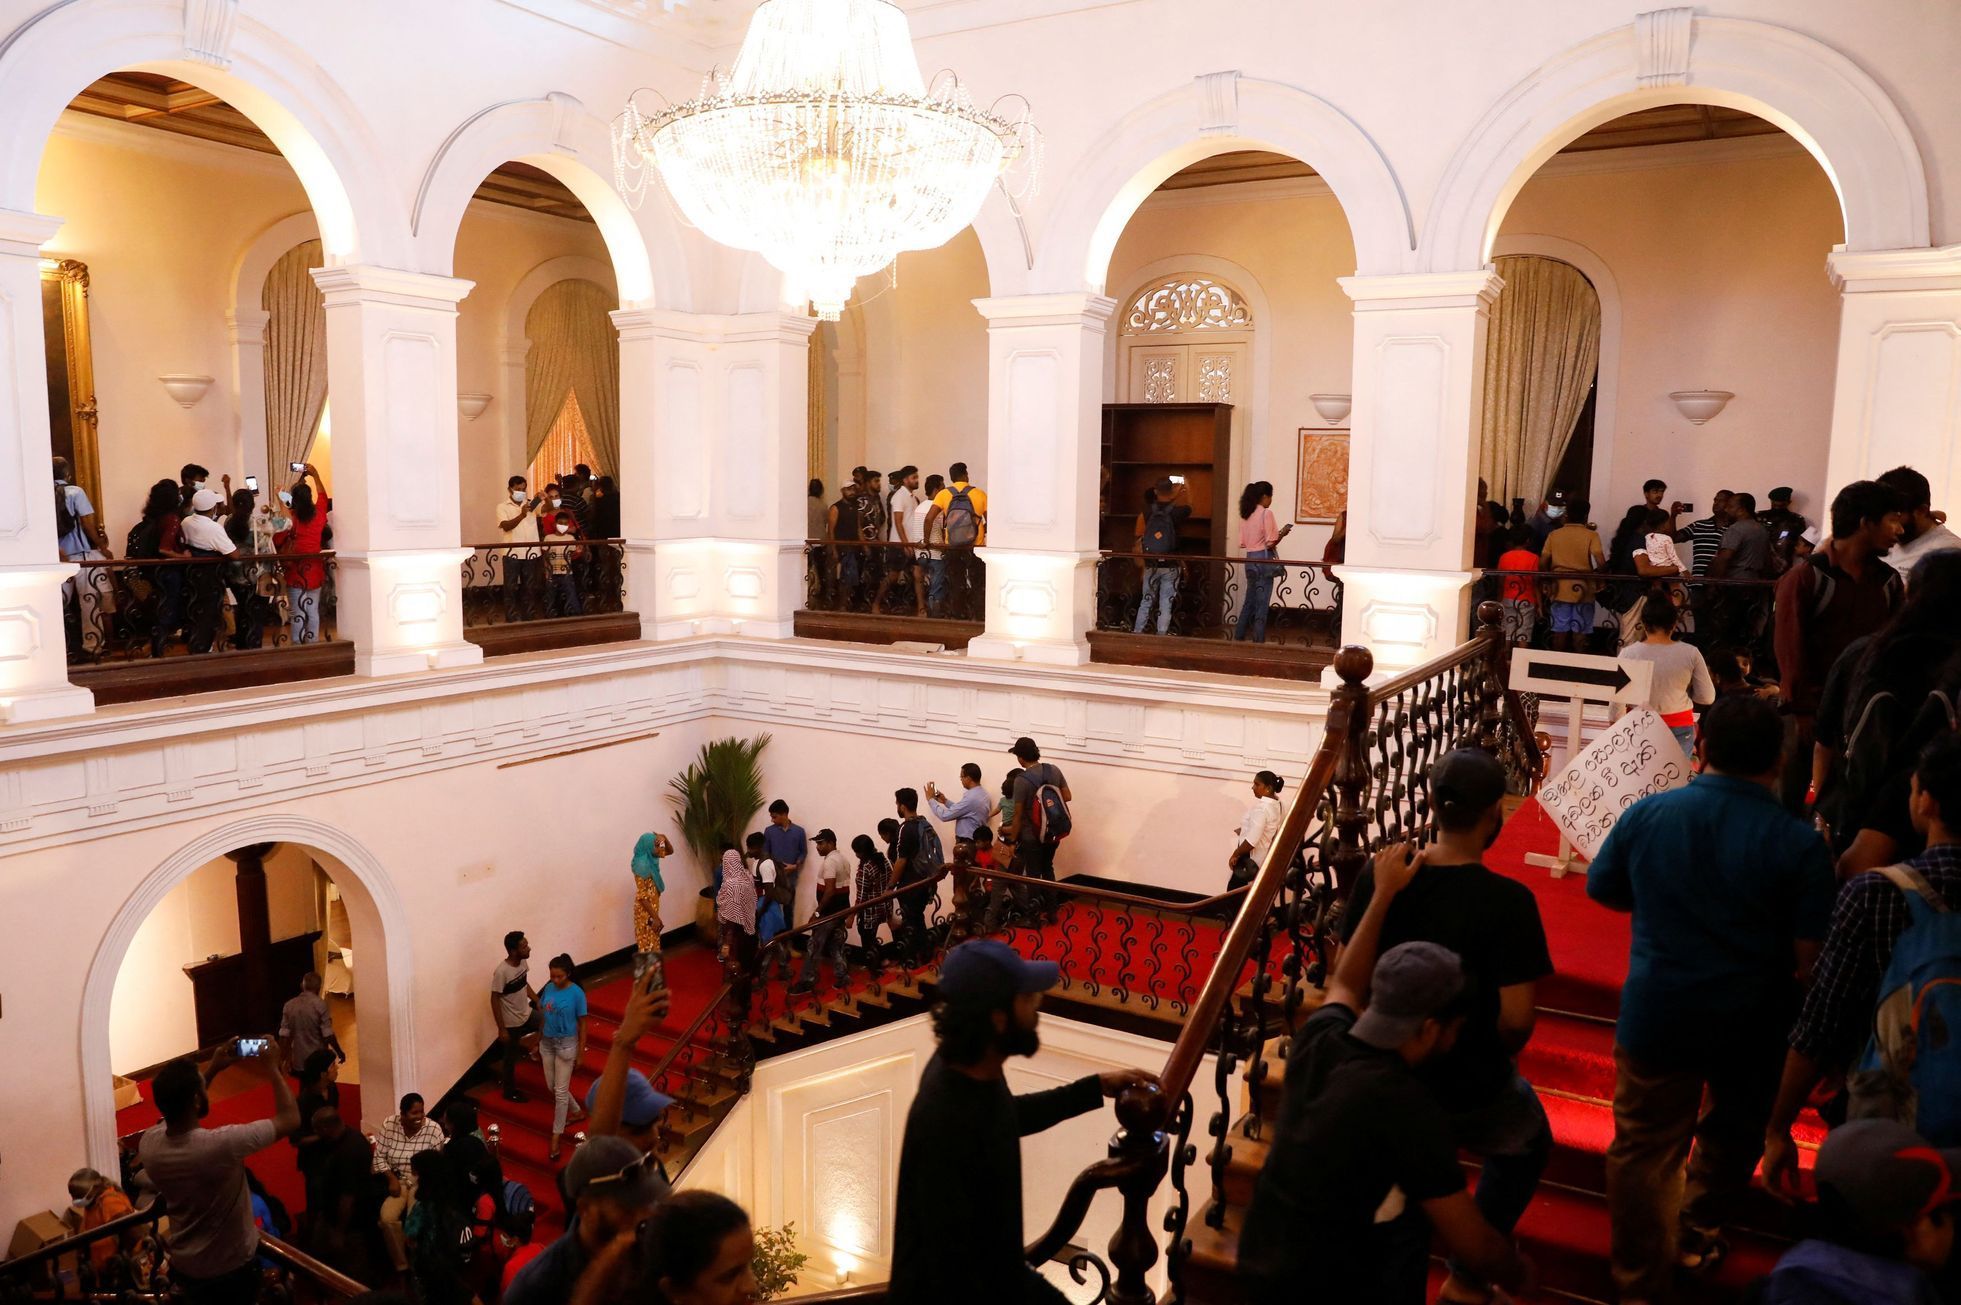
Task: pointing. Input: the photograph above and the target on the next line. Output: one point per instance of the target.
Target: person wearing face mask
(562, 558)
(1492, 923)
(190, 479)
(517, 523)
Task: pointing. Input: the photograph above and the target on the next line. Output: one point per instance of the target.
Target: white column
(391, 371)
(1412, 462)
(1898, 398)
(33, 650)
(713, 418)
(246, 331)
(1044, 423)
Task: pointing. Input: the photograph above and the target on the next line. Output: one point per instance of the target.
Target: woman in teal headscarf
(647, 888)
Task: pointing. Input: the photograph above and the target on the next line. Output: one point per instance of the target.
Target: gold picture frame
(1321, 486)
(71, 373)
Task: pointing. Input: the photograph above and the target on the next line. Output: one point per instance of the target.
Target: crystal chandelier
(824, 150)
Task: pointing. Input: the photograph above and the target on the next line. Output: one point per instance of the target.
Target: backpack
(64, 520)
(145, 539)
(1160, 529)
(962, 522)
(1912, 1066)
(1818, 1272)
(1889, 731)
(1049, 812)
(930, 857)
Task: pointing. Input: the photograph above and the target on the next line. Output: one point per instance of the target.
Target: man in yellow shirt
(960, 511)
(1573, 548)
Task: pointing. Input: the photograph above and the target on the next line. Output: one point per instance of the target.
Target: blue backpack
(1822, 1273)
(1912, 1067)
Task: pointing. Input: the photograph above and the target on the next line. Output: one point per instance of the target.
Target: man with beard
(958, 1239)
(1492, 923)
(200, 1172)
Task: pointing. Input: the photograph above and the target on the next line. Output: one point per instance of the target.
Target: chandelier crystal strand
(824, 150)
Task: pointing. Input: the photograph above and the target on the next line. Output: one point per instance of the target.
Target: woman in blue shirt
(563, 1042)
(647, 888)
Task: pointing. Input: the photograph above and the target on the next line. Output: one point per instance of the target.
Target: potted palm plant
(716, 798)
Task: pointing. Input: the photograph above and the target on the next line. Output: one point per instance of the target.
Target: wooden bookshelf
(1145, 442)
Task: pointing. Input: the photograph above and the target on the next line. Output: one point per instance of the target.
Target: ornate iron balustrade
(1275, 601)
(120, 610)
(508, 584)
(137, 1269)
(1720, 613)
(932, 581)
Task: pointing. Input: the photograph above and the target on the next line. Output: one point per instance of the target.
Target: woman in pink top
(1259, 535)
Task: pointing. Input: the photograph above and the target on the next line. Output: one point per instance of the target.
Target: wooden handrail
(113, 563)
(1164, 558)
(332, 1280)
(147, 1213)
(554, 541)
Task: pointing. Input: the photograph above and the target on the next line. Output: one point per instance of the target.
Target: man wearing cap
(1778, 518)
(609, 1187)
(1730, 896)
(93, 1201)
(958, 1238)
(1887, 1201)
(1033, 857)
(1362, 1166)
(204, 603)
(833, 882)
(1491, 923)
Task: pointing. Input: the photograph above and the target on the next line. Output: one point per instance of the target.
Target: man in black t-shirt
(1492, 924)
(1363, 1165)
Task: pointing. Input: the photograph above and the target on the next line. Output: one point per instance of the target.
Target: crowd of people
(184, 520)
(888, 532)
(553, 544)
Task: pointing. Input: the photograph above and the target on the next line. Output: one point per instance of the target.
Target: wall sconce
(1333, 408)
(186, 389)
(472, 405)
(1700, 405)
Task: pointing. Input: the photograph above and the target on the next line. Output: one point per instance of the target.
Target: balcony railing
(559, 593)
(892, 593)
(1736, 614)
(147, 627)
(1274, 617)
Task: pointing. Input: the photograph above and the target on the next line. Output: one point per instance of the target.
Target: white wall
(816, 1142)
(152, 1017)
(1720, 267)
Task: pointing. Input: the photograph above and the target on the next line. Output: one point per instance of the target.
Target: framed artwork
(1323, 481)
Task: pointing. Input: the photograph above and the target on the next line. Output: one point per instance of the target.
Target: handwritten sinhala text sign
(1635, 758)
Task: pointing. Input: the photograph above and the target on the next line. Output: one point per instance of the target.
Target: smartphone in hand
(297, 466)
(247, 1048)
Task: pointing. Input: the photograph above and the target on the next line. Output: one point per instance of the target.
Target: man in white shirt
(1926, 530)
(928, 528)
(517, 523)
(833, 872)
(898, 531)
(204, 588)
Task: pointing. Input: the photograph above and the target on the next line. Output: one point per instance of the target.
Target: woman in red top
(307, 534)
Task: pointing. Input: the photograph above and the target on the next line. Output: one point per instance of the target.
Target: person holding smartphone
(307, 535)
(517, 523)
(200, 1172)
(1260, 536)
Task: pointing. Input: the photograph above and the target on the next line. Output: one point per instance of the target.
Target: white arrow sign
(1582, 677)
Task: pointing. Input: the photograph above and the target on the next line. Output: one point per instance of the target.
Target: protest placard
(1635, 757)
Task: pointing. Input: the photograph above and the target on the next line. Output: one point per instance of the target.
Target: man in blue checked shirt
(970, 810)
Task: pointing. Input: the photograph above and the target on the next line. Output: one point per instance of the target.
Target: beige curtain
(574, 347)
(1539, 362)
(296, 357)
(566, 445)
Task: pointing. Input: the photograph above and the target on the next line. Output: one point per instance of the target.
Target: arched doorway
(371, 913)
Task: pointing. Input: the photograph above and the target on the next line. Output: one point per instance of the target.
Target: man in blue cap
(622, 1102)
(959, 1229)
(609, 1188)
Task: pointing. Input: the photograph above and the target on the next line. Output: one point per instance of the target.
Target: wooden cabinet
(1145, 442)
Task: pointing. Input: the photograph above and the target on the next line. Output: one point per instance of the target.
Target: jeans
(1161, 585)
(1684, 735)
(935, 585)
(520, 588)
(825, 940)
(305, 604)
(1513, 1138)
(559, 1056)
(562, 599)
(1658, 1112)
(1259, 597)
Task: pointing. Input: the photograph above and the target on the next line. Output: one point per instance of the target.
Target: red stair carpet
(1570, 1060)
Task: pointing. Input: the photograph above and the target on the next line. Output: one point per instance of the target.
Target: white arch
(374, 910)
(1255, 453)
(1606, 396)
(1114, 176)
(558, 135)
(247, 334)
(47, 60)
(1837, 112)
